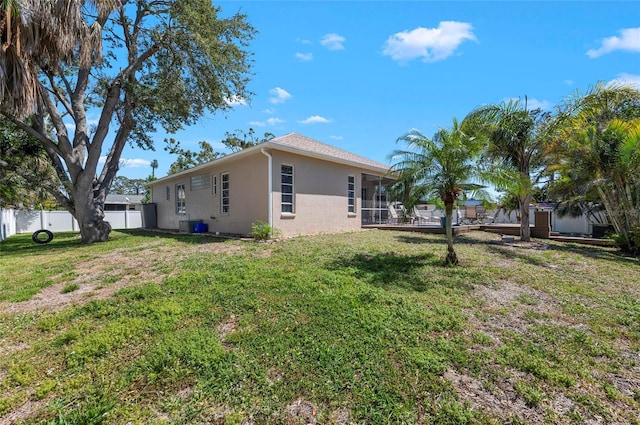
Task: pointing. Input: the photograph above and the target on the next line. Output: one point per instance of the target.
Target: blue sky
(359, 74)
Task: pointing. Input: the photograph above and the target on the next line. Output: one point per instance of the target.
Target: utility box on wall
(149, 220)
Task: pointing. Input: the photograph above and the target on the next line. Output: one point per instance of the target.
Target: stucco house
(296, 184)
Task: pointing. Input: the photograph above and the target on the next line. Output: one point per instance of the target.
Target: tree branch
(49, 145)
(54, 90)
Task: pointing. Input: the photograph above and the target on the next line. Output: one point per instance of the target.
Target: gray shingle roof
(301, 145)
(113, 198)
(299, 142)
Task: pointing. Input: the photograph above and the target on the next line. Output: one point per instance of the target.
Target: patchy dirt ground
(102, 276)
(508, 305)
(504, 300)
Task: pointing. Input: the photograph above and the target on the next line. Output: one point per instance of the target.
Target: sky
(360, 74)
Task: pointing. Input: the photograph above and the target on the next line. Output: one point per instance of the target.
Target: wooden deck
(424, 228)
(504, 229)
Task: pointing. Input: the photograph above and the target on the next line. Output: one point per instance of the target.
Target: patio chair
(393, 215)
(471, 212)
(421, 215)
(481, 212)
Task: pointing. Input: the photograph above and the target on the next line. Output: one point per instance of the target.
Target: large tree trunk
(525, 230)
(93, 228)
(89, 211)
(452, 258)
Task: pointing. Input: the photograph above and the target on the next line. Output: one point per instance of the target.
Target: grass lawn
(364, 328)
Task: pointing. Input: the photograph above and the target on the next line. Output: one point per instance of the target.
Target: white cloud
(279, 95)
(629, 40)
(134, 163)
(545, 105)
(304, 56)
(304, 41)
(129, 162)
(336, 137)
(270, 122)
(274, 121)
(430, 44)
(315, 119)
(269, 111)
(627, 80)
(333, 41)
(568, 82)
(532, 103)
(235, 100)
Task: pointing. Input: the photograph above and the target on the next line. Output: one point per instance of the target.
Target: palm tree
(42, 35)
(442, 166)
(154, 165)
(515, 145)
(598, 147)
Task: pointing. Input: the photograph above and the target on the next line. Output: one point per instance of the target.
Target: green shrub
(262, 231)
(633, 245)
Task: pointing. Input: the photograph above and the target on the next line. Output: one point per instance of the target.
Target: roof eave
(276, 146)
(304, 152)
(226, 158)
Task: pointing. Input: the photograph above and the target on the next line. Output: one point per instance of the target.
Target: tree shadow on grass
(433, 239)
(188, 238)
(22, 244)
(438, 239)
(597, 253)
(496, 247)
(516, 254)
(413, 272)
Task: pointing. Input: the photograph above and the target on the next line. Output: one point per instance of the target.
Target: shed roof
(113, 198)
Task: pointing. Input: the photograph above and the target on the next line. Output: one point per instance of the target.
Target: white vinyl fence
(20, 221)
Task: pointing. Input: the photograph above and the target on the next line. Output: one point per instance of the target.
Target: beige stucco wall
(320, 193)
(247, 197)
(320, 196)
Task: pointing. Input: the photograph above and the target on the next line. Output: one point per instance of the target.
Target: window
(224, 199)
(351, 194)
(181, 205)
(286, 187)
(214, 185)
(168, 193)
(200, 182)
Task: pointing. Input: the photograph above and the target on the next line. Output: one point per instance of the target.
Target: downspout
(270, 186)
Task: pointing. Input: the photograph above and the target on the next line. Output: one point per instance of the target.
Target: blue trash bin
(443, 220)
(200, 228)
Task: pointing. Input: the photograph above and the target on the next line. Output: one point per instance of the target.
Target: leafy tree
(239, 139)
(164, 63)
(188, 159)
(233, 141)
(515, 149)
(125, 186)
(27, 179)
(443, 166)
(598, 147)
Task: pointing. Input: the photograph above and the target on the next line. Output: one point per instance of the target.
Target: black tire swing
(36, 236)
